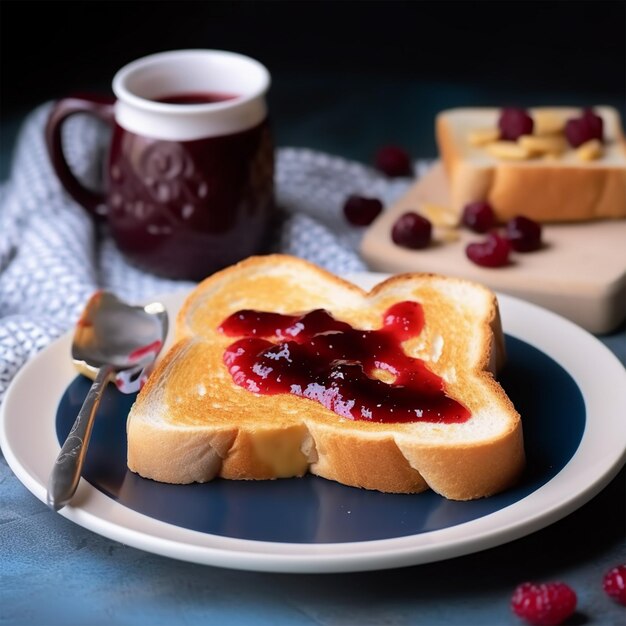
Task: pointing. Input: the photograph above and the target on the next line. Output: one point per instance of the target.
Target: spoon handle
(68, 466)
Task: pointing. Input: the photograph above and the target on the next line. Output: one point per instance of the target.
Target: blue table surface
(55, 572)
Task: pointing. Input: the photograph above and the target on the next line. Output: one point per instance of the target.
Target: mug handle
(103, 108)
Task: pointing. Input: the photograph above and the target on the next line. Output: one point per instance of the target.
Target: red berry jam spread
(315, 356)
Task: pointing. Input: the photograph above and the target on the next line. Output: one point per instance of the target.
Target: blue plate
(313, 510)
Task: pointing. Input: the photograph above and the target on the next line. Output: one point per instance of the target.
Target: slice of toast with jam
(280, 368)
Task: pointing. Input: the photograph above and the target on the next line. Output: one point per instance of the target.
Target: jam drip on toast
(315, 356)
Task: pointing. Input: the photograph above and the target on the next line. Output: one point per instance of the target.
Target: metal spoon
(112, 341)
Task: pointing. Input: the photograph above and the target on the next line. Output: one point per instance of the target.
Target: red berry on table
(493, 252)
(614, 584)
(412, 231)
(514, 123)
(362, 211)
(546, 604)
(394, 161)
(523, 234)
(478, 216)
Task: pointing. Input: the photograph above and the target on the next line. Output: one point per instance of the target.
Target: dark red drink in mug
(190, 175)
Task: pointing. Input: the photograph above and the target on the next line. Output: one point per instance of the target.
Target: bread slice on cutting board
(559, 185)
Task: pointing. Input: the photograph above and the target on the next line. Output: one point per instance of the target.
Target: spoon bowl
(111, 332)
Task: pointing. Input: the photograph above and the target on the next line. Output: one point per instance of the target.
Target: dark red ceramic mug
(189, 182)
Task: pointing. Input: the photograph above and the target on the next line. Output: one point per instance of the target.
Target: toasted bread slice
(557, 186)
(191, 422)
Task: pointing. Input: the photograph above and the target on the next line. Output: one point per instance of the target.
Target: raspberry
(411, 231)
(523, 234)
(581, 129)
(614, 584)
(514, 123)
(547, 604)
(595, 123)
(394, 161)
(493, 252)
(478, 216)
(362, 211)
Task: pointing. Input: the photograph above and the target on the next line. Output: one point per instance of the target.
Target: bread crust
(547, 192)
(176, 435)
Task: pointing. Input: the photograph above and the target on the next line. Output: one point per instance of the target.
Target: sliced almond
(509, 150)
(543, 145)
(439, 215)
(590, 150)
(547, 123)
(483, 136)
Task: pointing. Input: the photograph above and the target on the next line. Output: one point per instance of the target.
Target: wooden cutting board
(580, 272)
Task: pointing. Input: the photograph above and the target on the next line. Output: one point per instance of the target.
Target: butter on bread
(561, 185)
(192, 423)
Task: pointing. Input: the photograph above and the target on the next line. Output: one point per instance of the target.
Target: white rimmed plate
(30, 444)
